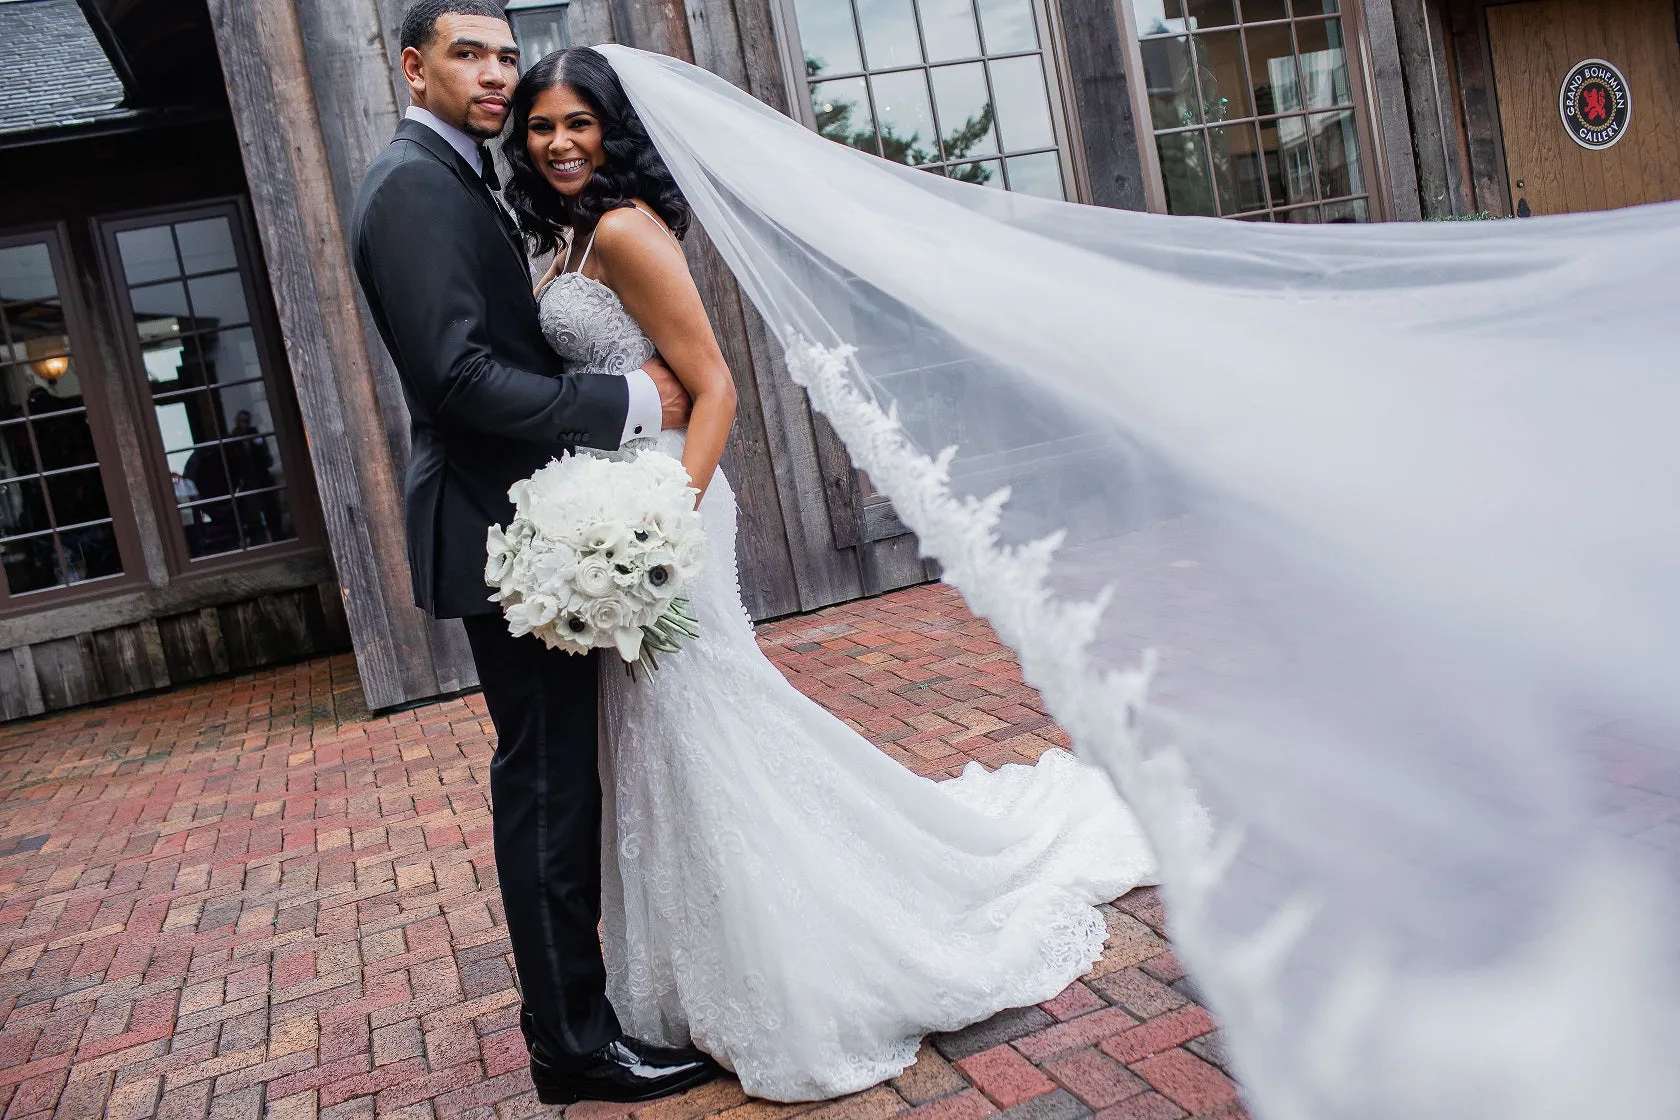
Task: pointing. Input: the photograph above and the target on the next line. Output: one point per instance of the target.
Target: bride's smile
(564, 140)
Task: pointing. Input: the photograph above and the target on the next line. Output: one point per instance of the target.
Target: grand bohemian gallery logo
(1595, 104)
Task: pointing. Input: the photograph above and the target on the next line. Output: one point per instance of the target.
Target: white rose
(594, 576)
(609, 615)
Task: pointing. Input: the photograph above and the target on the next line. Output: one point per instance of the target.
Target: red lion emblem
(1595, 107)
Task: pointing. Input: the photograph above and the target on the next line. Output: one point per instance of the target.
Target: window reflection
(1227, 86)
(55, 520)
(210, 402)
(942, 82)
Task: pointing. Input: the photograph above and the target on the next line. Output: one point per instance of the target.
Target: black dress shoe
(624, 1070)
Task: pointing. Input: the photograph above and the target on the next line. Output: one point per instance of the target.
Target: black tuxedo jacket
(488, 402)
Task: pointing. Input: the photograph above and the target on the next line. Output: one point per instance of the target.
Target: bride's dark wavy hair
(632, 168)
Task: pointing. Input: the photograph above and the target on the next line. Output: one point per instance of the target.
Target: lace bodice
(587, 325)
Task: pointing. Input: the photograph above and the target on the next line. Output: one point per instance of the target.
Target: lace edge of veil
(1485, 1042)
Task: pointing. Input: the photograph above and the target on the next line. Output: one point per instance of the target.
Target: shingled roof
(52, 72)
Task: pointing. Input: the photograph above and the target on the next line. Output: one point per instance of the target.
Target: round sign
(1595, 104)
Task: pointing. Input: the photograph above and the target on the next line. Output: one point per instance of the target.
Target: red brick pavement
(249, 899)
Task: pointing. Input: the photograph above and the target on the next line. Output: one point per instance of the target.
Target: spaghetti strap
(655, 221)
(586, 248)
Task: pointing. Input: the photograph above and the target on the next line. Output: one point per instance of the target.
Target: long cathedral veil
(1366, 537)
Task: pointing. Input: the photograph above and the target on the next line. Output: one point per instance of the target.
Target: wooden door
(1535, 46)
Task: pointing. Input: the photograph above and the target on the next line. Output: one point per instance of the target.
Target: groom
(446, 279)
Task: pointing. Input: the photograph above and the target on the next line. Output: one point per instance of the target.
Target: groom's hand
(674, 401)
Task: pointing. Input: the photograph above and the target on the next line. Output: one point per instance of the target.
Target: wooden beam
(287, 162)
(1387, 85)
(1104, 125)
(1421, 44)
(1477, 106)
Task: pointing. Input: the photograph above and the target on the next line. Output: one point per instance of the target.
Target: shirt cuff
(645, 415)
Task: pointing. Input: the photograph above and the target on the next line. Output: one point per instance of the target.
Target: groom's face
(464, 73)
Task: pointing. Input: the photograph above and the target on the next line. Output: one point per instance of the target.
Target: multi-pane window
(56, 527)
(190, 301)
(959, 87)
(1253, 109)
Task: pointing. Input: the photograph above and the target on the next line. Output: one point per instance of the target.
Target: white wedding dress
(783, 894)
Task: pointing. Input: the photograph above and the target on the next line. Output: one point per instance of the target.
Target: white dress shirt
(645, 415)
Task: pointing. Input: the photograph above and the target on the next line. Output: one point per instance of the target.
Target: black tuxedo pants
(545, 791)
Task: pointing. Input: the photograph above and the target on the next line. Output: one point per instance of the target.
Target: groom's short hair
(419, 23)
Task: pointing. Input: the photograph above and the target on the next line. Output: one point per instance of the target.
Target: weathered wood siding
(171, 649)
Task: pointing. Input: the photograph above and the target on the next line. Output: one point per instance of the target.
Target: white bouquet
(598, 554)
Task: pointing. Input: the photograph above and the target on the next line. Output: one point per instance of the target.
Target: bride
(776, 890)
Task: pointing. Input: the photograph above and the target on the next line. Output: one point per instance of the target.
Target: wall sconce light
(51, 369)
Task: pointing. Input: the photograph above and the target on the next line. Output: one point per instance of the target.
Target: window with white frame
(963, 88)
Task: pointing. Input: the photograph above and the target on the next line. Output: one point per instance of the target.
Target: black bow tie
(487, 167)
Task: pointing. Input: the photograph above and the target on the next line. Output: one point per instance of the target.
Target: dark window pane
(1158, 17)
(949, 29)
(90, 552)
(218, 301)
(253, 463)
(31, 565)
(842, 112)
(77, 496)
(1008, 25)
(1184, 173)
(230, 356)
(1306, 215)
(984, 173)
(828, 37)
(160, 301)
(1236, 169)
(23, 508)
(1336, 146)
(1211, 13)
(906, 117)
(1023, 104)
(265, 517)
(1258, 11)
(1171, 82)
(214, 529)
(889, 34)
(1039, 175)
(1323, 63)
(64, 440)
(965, 110)
(1354, 210)
(206, 245)
(1316, 7)
(36, 329)
(17, 454)
(147, 254)
(1271, 65)
(1288, 166)
(1224, 78)
(26, 273)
